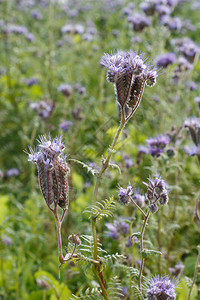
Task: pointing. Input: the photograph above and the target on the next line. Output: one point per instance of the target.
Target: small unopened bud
(163, 199)
(74, 239)
(153, 207)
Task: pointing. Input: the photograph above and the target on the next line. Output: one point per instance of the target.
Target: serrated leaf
(89, 169)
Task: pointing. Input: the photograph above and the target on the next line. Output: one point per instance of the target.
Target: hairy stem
(195, 273)
(142, 248)
(98, 273)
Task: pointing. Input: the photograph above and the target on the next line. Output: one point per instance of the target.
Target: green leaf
(183, 291)
(147, 252)
(89, 169)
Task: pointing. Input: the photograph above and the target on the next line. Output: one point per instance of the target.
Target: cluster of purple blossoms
(176, 271)
(164, 60)
(139, 22)
(67, 89)
(44, 109)
(129, 74)
(31, 81)
(17, 29)
(160, 288)
(65, 125)
(157, 144)
(157, 192)
(187, 48)
(53, 170)
(158, 6)
(124, 194)
(120, 227)
(86, 34)
(12, 172)
(193, 125)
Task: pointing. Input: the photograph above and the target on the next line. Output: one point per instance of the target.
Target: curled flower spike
(157, 193)
(52, 170)
(161, 288)
(129, 73)
(124, 194)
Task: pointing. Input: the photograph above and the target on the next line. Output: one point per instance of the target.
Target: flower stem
(195, 272)
(98, 273)
(142, 248)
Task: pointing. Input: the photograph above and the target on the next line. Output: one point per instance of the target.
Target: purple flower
(66, 89)
(117, 228)
(139, 22)
(124, 194)
(43, 108)
(52, 169)
(129, 74)
(164, 60)
(139, 199)
(157, 144)
(30, 37)
(65, 125)
(157, 192)
(7, 241)
(36, 14)
(128, 161)
(32, 81)
(171, 23)
(160, 288)
(178, 268)
(12, 172)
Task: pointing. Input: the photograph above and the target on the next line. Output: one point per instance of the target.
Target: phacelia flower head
(52, 170)
(157, 193)
(157, 144)
(44, 109)
(129, 73)
(124, 194)
(161, 288)
(164, 60)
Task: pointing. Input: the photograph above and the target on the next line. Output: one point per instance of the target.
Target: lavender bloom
(160, 288)
(139, 199)
(178, 268)
(79, 88)
(52, 170)
(66, 89)
(157, 144)
(65, 125)
(139, 22)
(30, 37)
(44, 109)
(7, 241)
(171, 23)
(36, 14)
(128, 161)
(124, 194)
(187, 47)
(12, 172)
(117, 228)
(128, 72)
(156, 193)
(32, 81)
(197, 100)
(165, 60)
(148, 8)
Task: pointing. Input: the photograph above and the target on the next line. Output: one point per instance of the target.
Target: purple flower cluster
(87, 33)
(124, 194)
(139, 22)
(12, 172)
(67, 89)
(178, 268)
(17, 29)
(156, 193)
(65, 125)
(44, 109)
(157, 144)
(117, 228)
(129, 74)
(164, 60)
(160, 288)
(52, 170)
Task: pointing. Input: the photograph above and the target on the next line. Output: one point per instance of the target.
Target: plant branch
(142, 248)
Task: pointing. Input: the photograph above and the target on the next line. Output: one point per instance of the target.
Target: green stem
(195, 272)
(142, 248)
(98, 273)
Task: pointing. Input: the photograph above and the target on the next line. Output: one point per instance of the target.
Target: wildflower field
(99, 149)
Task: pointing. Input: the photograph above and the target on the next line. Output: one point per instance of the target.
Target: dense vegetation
(52, 84)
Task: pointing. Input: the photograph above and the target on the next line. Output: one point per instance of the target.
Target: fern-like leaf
(102, 209)
(114, 289)
(89, 169)
(89, 294)
(110, 259)
(137, 295)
